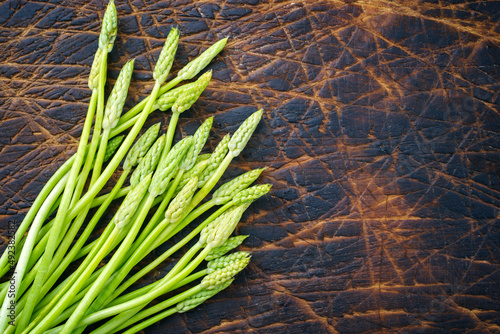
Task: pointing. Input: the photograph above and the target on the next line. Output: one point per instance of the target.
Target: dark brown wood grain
(380, 131)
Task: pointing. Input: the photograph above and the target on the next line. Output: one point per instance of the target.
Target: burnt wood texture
(380, 131)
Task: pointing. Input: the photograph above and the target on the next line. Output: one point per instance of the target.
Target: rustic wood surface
(381, 131)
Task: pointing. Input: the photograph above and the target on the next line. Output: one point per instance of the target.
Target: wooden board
(380, 131)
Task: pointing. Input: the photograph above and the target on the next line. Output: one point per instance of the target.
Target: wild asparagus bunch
(167, 183)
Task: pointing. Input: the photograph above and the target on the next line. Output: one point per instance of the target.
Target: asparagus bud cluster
(141, 147)
(251, 194)
(166, 58)
(116, 99)
(199, 139)
(201, 297)
(244, 132)
(220, 276)
(225, 261)
(149, 162)
(109, 28)
(214, 161)
(167, 100)
(193, 172)
(168, 165)
(112, 146)
(94, 70)
(217, 232)
(131, 202)
(180, 201)
(194, 67)
(228, 245)
(191, 93)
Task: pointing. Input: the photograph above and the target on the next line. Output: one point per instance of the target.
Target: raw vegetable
(167, 183)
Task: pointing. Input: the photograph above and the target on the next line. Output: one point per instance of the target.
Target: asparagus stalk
(199, 139)
(39, 201)
(244, 196)
(60, 176)
(134, 294)
(173, 212)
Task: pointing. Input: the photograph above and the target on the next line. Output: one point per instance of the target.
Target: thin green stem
(135, 254)
(63, 170)
(28, 219)
(149, 287)
(75, 227)
(43, 236)
(158, 307)
(184, 267)
(25, 284)
(112, 324)
(89, 161)
(69, 310)
(40, 218)
(48, 321)
(166, 283)
(95, 245)
(124, 124)
(85, 250)
(191, 216)
(24, 258)
(96, 171)
(137, 109)
(127, 297)
(75, 300)
(121, 321)
(151, 321)
(101, 199)
(53, 294)
(93, 190)
(160, 211)
(109, 269)
(61, 255)
(171, 131)
(40, 244)
(65, 297)
(28, 279)
(134, 294)
(70, 257)
(73, 278)
(71, 194)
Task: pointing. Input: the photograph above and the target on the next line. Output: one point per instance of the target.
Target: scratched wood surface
(380, 131)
